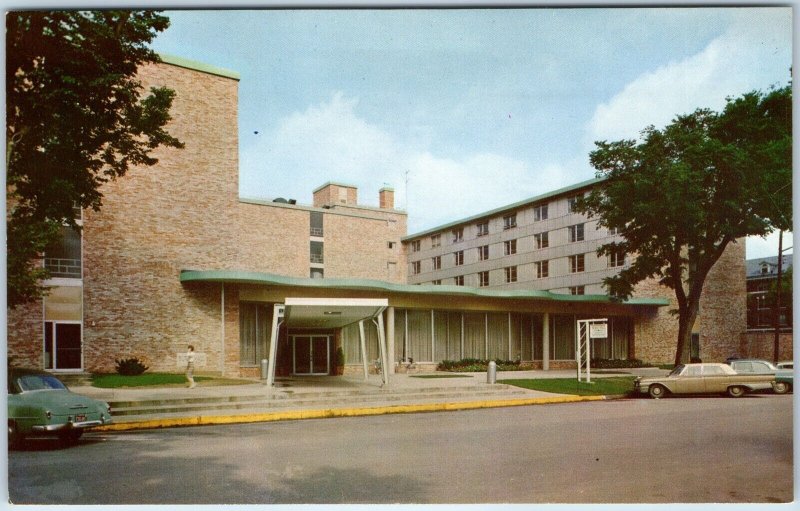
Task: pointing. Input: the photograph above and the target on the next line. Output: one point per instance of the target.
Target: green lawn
(114, 381)
(598, 387)
(431, 376)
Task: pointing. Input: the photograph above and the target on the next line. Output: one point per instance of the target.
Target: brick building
(176, 257)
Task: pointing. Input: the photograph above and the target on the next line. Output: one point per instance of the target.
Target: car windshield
(677, 370)
(39, 382)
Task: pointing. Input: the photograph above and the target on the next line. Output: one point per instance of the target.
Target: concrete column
(546, 342)
(362, 339)
(390, 340)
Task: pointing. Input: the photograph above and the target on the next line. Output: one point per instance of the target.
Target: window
(540, 212)
(483, 252)
(616, 258)
(436, 240)
(316, 224)
(459, 257)
(62, 345)
(416, 266)
(510, 221)
(575, 233)
(255, 325)
(317, 273)
(316, 252)
(511, 273)
(542, 240)
(510, 247)
(613, 231)
(437, 263)
(576, 263)
(483, 228)
(571, 202)
(437, 282)
(459, 280)
(458, 235)
(391, 244)
(63, 257)
(542, 269)
(415, 245)
(577, 290)
(483, 279)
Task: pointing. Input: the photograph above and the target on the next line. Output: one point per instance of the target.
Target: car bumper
(54, 428)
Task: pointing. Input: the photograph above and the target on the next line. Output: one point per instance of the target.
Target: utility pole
(777, 313)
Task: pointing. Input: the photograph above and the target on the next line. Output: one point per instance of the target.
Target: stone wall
(722, 317)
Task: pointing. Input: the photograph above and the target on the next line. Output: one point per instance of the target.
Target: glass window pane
(474, 335)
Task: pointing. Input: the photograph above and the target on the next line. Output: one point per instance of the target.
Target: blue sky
(474, 108)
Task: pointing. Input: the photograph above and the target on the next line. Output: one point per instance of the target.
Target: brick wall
(761, 345)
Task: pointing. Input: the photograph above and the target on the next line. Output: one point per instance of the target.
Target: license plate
(80, 418)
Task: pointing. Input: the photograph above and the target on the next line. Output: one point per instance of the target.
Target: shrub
(130, 366)
(475, 365)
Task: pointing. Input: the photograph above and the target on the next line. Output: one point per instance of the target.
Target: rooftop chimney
(331, 194)
(386, 198)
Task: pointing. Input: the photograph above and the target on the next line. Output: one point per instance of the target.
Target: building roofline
(337, 183)
(506, 208)
(248, 277)
(198, 66)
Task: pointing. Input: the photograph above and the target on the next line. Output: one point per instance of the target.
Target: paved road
(702, 449)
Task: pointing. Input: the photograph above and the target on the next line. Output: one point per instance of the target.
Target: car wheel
(71, 437)
(736, 391)
(781, 387)
(14, 436)
(657, 391)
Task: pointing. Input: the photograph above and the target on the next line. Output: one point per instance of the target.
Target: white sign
(598, 330)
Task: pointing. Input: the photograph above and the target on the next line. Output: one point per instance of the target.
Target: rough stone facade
(762, 345)
(720, 322)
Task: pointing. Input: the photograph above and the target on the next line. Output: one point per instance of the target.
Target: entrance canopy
(330, 312)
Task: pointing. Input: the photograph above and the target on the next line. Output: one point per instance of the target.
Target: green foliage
(75, 119)
(605, 386)
(130, 366)
(475, 365)
(682, 194)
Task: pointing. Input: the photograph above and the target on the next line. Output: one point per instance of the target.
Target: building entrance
(311, 354)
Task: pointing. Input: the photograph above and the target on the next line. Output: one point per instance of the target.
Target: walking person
(190, 367)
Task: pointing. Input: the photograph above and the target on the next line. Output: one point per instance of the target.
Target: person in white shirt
(190, 367)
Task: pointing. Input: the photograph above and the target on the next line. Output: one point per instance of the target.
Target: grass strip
(598, 387)
(115, 381)
(432, 376)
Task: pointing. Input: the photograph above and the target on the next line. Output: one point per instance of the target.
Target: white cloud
(739, 60)
(331, 140)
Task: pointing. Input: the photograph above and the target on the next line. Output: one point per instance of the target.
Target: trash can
(491, 373)
(264, 368)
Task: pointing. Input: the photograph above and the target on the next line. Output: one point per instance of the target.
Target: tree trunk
(686, 321)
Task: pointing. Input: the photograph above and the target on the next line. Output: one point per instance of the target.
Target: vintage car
(789, 364)
(756, 366)
(705, 378)
(40, 405)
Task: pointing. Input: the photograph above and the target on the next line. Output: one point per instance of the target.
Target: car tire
(736, 391)
(70, 437)
(14, 436)
(781, 387)
(657, 391)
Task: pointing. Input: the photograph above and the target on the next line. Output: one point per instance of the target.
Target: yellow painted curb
(337, 412)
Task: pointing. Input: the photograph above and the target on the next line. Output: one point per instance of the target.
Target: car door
(690, 381)
(715, 379)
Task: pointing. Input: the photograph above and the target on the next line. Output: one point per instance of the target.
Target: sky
(462, 111)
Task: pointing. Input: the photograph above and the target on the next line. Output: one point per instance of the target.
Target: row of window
(577, 262)
(540, 213)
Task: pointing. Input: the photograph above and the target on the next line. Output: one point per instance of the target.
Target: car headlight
(48, 414)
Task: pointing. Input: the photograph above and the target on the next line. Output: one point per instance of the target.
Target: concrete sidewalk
(320, 397)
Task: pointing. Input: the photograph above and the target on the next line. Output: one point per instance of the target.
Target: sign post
(587, 330)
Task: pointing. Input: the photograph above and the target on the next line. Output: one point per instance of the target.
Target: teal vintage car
(39, 404)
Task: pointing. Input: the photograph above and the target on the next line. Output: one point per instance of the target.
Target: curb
(339, 412)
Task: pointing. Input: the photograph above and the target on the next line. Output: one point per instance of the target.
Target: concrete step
(310, 400)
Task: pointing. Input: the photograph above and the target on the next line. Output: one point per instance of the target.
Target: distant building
(762, 275)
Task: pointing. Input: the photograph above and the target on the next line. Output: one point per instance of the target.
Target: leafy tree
(76, 118)
(683, 193)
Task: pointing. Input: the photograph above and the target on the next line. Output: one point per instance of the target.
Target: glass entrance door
(62, 345)
(311, 354)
